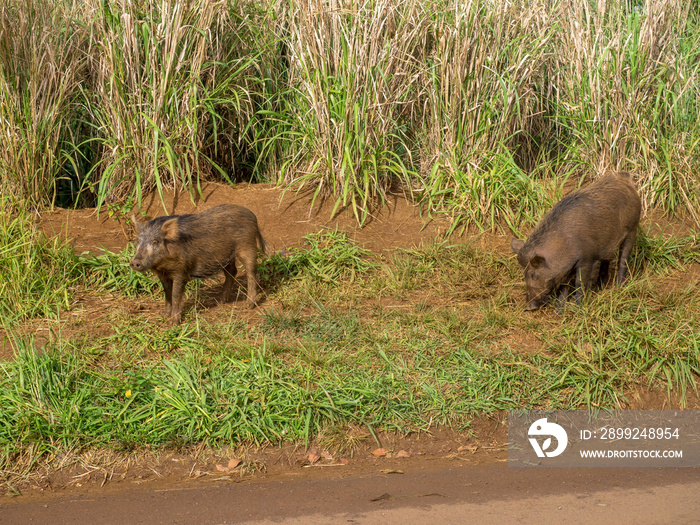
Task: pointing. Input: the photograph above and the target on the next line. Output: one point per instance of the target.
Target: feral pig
(580, 236)
(182, 247)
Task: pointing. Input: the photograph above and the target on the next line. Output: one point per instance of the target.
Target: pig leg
(625, 251)
(167, 283)
(564, 291)
(565, 288)
(595, 274)
(230, 273)
(584, 275)
(178, 287)
(249, 259)
(603, 274)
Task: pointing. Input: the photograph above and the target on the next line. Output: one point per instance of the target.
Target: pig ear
(137, 224)
(537, 261)
(517, 245)
(169, 230)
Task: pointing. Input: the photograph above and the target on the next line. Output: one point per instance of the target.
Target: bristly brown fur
(182, 247)
(583, 231)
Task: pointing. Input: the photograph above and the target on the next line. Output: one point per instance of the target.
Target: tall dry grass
(480, 109)
(484, 129)
(156, 89)
(353, 95)
(42, 63)
(624, 71)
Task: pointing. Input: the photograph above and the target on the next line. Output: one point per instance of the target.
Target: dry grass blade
(42, 64)
(352, 74)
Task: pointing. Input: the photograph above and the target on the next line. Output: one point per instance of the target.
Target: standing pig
(583, 231)
(181, 247)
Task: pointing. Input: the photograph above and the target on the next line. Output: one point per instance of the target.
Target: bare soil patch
(284, 219)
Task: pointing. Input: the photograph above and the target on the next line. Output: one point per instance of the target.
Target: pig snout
(535, 301)
(137, 265)
(534, 304)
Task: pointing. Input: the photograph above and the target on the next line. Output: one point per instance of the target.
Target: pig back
(591, 223)
(211, 239)
(611, 216)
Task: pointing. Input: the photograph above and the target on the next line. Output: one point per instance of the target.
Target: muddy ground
(420, 471)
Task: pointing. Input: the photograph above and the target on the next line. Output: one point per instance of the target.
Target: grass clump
(627, 333)
(111, 272)
(461, 272)
(36, 274)
(665, 253)
(327, 257)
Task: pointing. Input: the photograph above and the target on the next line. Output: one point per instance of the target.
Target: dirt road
(446, 493)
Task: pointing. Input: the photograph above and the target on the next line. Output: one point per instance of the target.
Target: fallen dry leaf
(404, 454)
(232, 464)
(380, 452)
(343, 461)
(391, 471)
(312, 457)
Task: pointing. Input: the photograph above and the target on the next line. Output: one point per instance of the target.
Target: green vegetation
(431, 336)
(36, 276)
(480, 109)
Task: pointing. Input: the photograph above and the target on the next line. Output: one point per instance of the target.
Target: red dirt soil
(284, 219)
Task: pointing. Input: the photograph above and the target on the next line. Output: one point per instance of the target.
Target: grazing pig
(578, 238)
(181, 247)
